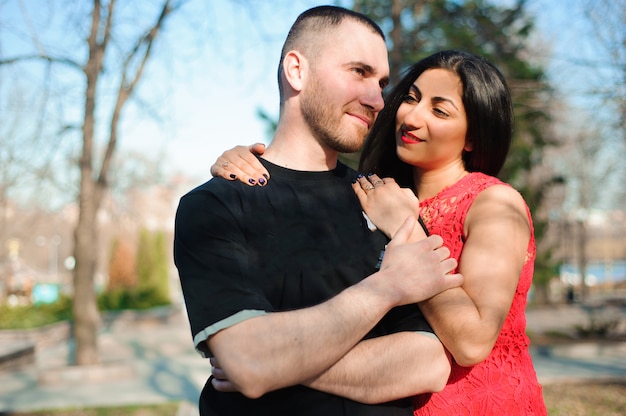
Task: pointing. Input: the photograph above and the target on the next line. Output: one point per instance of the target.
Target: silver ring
(378, 183)
(368, 188)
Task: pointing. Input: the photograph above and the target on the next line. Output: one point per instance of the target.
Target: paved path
(156, 364)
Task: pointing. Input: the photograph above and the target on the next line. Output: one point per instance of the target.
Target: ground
(586, 399)
(571, 399)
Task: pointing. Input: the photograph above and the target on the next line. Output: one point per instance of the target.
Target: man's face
(343, 93)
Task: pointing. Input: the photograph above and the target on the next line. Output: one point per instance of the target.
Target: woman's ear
(294, 69)
(469, 145)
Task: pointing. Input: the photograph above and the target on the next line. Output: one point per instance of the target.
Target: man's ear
(294, 69)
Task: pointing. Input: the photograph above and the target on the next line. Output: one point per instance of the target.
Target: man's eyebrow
(369, 69)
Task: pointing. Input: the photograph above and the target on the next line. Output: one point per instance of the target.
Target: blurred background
(110, 111)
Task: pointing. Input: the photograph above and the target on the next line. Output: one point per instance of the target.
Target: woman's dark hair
(488, 106)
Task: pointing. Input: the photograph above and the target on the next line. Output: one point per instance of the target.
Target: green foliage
(34, 316)
(152, 286)
(152, 263)
(137, 298)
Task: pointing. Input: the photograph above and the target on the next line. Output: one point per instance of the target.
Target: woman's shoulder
(499, 198)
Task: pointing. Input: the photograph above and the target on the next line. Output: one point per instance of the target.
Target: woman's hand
(385, 203)
(241, 163)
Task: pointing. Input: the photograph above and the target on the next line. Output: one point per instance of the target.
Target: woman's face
(431, 125)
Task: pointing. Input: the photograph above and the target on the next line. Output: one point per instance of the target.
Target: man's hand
(416, 271)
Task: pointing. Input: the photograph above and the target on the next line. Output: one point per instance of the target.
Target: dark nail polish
(359, 176)
(233, 176)
(370, 174)
(261, 181)
(251, 181)
(266, 177)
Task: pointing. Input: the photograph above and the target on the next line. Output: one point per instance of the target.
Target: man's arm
(388, 368)
(377, 370)
(282, 349)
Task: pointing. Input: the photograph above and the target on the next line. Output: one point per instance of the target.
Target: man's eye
(359, 71)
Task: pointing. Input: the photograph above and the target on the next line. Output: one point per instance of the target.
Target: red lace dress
(505, 384)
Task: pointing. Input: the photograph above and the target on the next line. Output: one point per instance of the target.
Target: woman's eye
(410, 99)
(440, 112)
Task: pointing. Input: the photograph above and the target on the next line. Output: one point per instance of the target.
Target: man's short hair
(312, 26)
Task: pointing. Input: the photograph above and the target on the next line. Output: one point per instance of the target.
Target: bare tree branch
(41, 57)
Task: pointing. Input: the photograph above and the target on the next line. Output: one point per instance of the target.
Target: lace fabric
(506, 382)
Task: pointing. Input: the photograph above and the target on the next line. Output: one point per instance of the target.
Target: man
(280, 281)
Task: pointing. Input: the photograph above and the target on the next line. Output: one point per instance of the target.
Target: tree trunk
(85, 309)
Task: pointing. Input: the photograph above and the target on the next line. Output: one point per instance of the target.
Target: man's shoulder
(211, 194)
(214, 185)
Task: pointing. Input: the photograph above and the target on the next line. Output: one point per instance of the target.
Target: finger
(218, 373)
(375, 180)
(257, 148)
(453, 280)
(404, 232)
(435, 242)
(443, 252)
(241, 163)
(219, 169)
(449, 265)
(366, 185)
(246, 165)
(223, 385)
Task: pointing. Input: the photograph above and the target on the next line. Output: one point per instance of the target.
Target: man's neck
(300, 153)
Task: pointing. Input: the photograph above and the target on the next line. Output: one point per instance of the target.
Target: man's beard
(324, 120)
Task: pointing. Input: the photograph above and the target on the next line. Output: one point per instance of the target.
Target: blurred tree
(118, 49)
(122, 266)
(607, 19)
(25, 155)
(152, 267)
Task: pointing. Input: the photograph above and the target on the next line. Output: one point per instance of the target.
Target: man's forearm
(387, 368)
(286, 348)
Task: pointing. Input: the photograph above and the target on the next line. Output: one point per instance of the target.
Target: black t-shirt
(245, 251)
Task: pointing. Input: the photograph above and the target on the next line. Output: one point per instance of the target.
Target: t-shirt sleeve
(213, 267)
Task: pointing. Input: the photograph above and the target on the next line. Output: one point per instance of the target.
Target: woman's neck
(429, 183)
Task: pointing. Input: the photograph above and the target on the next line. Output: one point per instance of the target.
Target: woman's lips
(409, 138)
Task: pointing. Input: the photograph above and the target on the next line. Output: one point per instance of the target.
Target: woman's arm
(468, 319)
(241, 163)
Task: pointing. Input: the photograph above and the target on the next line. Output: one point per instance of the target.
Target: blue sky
(226, 97)
(215, 65)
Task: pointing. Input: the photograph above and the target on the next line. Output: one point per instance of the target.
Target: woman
(444, 133)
